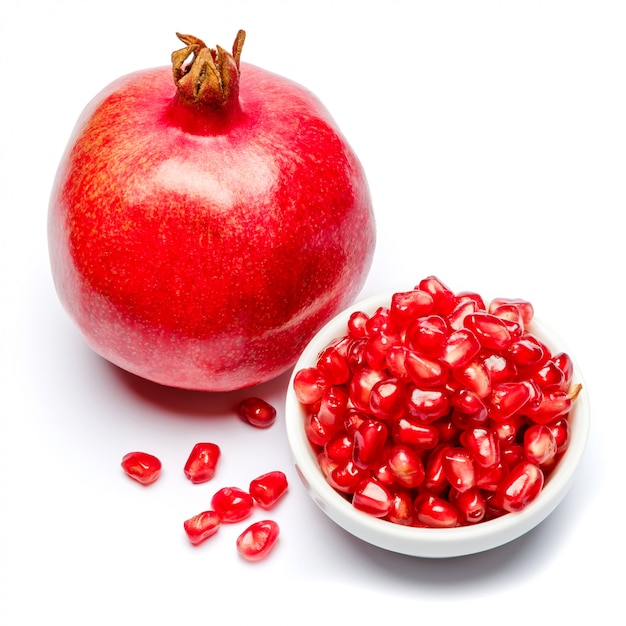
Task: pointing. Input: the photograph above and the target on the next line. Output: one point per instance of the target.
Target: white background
(494, 138)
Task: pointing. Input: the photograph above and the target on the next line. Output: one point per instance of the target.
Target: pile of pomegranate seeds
(438, 410)
(229, 504)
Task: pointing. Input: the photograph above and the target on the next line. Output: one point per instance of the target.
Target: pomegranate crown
(211, 75)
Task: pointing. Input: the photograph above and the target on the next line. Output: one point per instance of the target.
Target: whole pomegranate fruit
(206, 220)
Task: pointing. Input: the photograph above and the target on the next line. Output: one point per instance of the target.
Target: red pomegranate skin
(200, 251)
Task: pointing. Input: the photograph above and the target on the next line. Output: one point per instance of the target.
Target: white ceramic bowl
(429, 542)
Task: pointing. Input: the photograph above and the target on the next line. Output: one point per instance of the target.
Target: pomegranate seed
(500, 368)
(257, 412)
(256, 541)
(474, 376)
(460, 347)
(333, 366)
(408, 305)
(436, 512)
(387, 399)
(309, 384)
(357, 325)
(527, 351)
(142, 467)
(411, 432)
(316, 432)
(442, 295)
(427, 334)
(539, 444)
(483, 445)
(361, 387)
(512, 454)
(427, 405)
(469, 403)
(470, 505)
(424, 371)
(488, 478)
(339, 447)
(463, 308)
(401, 511)
(202, 526)
(406, 466)
(564, 362)
(380, 323)
(491, 331)
(435, 480)
(549, 377)
(345, 476)
(268, 488)
(520, 487)
(232, 504)
(553, 405)
(459, 468)
(202, 462)
(463, 296)
(369, 441)
(512, 318)
(525, 308)
(333, 405)
(372, 497)
(394, 361)
(506, 399)
(560, 432)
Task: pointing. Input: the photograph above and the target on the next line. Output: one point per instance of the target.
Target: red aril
(372, 497)
(406, 466)
(519, 487)
(202, 526)
(426, 372)
(539, 444)
(460, 347)
(402, 510)
(369, 441)
(206, 220)
(387, 398)
(268, 488)
(256, 541)
(443, 297)
(202, 462)
(427, 405)
(459, 468)
(483, 445)
(491, 332)
(309, 385)
(408, 305)
(411, 432)
(470, 504)
(426, 334)
(143, 467)
(232, 504)
(257, 412)
(436, 512)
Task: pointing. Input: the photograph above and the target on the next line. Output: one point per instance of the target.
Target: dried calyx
(208, 76)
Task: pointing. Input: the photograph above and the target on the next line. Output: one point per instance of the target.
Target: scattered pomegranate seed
(202, 526)
(232, 504)
(438, 410)
(142, 467)
(202, 462)
(268, 488)
(255, 543)
(257, 412)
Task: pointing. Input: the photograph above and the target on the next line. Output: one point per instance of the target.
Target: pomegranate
(206, 220)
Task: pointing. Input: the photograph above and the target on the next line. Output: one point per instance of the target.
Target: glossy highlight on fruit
(206, 220)
(453, 413)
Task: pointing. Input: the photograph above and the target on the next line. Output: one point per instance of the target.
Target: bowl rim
(429, 542)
